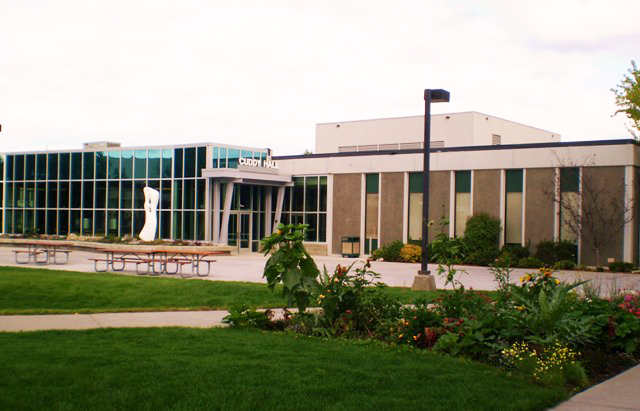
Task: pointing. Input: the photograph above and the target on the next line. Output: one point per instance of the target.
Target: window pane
(101, 165)
(312, 231)
(140, 165)
(214, 156)
(200, 189)
(202, 160)
(298, 194)
(63, 195)
(167, 156)
(514, 181)
(41, 195)
(10, 166)
(41, 170)
(53, 166)
(189, 194)
(223, 158)
(88, 173)
(30, 167)
(570, 179)
(87, 222)
(114, 164)
(19, 169)
(126, 219)
(114, 194)
(570, 208)
(373, 183)
(138, 194)
(371, 216)
(101, 194)
(177, 195)
(52, 222)
(64, 169)
(87, 195)
(52, 195)
(311, 194)
(190, 162)
(323, 193)
(322, 227)
(165, 195)
(415, 183)
(8, 195)
(112, 223)
(165, 224)
(99, 228)
(126, 195)
(463, 181)
(233, 155)
(74, 221)
(126, 164)
(30, 193)
(177, 165)
(76, 171)
(138, 222)
(154, 163)
(18, 197)
(63, 222)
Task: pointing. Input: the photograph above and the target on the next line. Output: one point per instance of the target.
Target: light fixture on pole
(424, 280)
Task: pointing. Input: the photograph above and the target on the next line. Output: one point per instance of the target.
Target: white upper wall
(453, 130)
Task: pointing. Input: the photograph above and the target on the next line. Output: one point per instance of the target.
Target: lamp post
(425, 280)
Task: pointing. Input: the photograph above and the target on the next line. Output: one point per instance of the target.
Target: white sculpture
(151, 198)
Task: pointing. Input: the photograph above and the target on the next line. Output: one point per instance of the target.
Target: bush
(550, 252)
(411, 253)
(565, 265)
(515, 250)
(388, 252)
(621, 267)
(530, 262)
(481, 237)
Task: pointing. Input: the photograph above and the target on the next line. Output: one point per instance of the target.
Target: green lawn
(40, 291)
(190, 369)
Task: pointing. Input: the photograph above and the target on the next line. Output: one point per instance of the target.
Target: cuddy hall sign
(256, 162)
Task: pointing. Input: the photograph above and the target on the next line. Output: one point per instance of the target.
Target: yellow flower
(321, 296)
(519, 307)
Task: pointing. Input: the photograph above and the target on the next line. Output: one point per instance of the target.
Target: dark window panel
(76, 167)
(190, 162)
(202, 160)
(114, 164)
(140, 166)
(126, 164)
(63, 195)
(126, 195)
(52, 166)
(87, 194)
(88, 172)
(18, 169)
(41, 167)
(177, 163)
(30, 167)
(154, 163)
(113, 194)
(101, 165)
(101, 194)
(63, 166)
(138, 194)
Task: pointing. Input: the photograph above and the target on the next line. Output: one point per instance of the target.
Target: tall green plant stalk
(290, 264)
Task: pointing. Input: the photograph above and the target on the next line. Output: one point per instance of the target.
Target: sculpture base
(423, 282)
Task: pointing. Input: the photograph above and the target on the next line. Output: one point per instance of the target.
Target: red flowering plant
(631, 302)
(419, 326)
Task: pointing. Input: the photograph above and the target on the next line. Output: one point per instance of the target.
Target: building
(364, 181)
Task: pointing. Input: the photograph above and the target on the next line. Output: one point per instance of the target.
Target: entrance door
(240, 230)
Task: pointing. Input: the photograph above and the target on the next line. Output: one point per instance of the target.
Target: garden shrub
(550, 252)
(621, 267)
(516, 251)
(530, 262)
(565, 265)
(481, 237)
(411, 253)
(388, 252)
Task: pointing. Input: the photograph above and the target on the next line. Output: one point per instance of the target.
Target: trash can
(351, 246)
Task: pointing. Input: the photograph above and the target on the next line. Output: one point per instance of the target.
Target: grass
(41, 291)
(191, 369)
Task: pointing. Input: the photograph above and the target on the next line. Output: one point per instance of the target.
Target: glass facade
(99, 193)
(306, 203)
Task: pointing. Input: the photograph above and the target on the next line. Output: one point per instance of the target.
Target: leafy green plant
(550, 252)
(621, 267)
(530, 262)
(352, 303)
(480, 240)
(241, 315)
(411, 253)
(290, 264)
(389, 252)
(565, 265)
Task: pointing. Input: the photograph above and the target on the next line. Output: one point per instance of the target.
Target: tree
(595, 210)
(628, 99)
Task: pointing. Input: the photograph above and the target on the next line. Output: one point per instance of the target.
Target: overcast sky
(262, 73)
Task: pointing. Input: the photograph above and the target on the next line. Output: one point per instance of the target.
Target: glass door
(240, 230)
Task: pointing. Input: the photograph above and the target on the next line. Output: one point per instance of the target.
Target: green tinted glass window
(233, 156)
(140, 164)
(76, 166)
(53, 166)
(76, 194)
(223, 157)
(190, 162)
(126, 164)
(19, 168)
(63, 195)
(373, 183)
(214, 157)
(138, 194)
(167, 157)
(30, 167)
(114, 164)
(189, 194)
(87, 194)
(202, 160)
(570, 179)
(514, 181)
(101, 165)
(41, 167)
(463, 181)
(10, 164)
(177, 163)
(126, 195)
(88, 166)
(323, 194)
(154, 163)
(64, 166)
(415, 182)
(201, 193)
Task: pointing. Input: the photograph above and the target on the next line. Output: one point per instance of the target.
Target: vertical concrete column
(224, 225)
(207, 209)
(267, 211)
(216, 212)
(279, 204)
(628, 238)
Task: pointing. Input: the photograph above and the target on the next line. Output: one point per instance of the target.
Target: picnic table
(156, 261)
(43, 253)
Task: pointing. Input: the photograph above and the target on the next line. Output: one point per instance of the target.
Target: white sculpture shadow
(151, 198)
